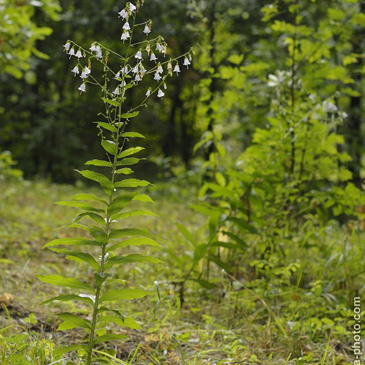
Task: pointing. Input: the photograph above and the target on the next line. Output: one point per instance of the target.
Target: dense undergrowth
(303, 315)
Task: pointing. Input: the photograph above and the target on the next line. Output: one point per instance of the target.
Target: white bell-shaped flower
(97, 49)
(126, 26)
(123, 14)
(125, 70)
(159, 68)
(99, 55)
(75, 70)
(137, 78)
(117, 75)
(157, 76)
(138, 55)
(93, 48)
(116, 92)
(135, 69)
(177, 69)
(147, 30)
(148, 93)
(132, 8)
(87, 71)
(186, 62)
(160, 93)
(153, 57)
(82, 88)
(84, 75)
(159, 47)
(125, 36)
(78, 54)
(72, 52)
(67, 47)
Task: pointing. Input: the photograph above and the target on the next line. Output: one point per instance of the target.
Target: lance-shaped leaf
(109, 146)
(99, 235)
(132, 213)
(110, 101)
(243, 225)
(126, 322)
(134, 242)
(81, 257)
(129, 161)
(66, 282)
(126, 294)
(107, 126)
(143, 198)
(69, 298)
(71, 242)
(130, 115)
(71, 321)
(131, 183)
(95, 217)
(130, 151)
(118, 260)
(99, 163)
(65, 349)
(119, 203)
(128, 232)
(89, 197)
(81, 205)
(132, 135)
(104, 182)
(124, 171)
(108, 337)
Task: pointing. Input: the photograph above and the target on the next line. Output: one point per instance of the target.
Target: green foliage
(7, 172)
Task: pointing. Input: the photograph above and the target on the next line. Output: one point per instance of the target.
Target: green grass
(299, 317)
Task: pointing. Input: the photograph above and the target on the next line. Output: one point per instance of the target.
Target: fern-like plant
(103, 250)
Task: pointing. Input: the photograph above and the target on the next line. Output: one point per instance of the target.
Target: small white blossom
(78, 54)
(122, 84)
(126, 26)
(116, 92)
(344, 115)
(87, 70)
(97, 49)
(92, 48)
(329, 107)
(186, 62)
(153, 57)
(138, 55)
(75, 70)
(159, 68)
(177, 69)
(164, 86)
(84, 75)
(148, 93)
(117, 75)
(99, 55)
(125, 70)
(132, 8)
(146, 30)
(135, 69)
(159, 47)
(190, 58)
(123, 14)
(67, 46)
(125, 36)
(137, 78)
(82, 88)
(160, 93)
(157, 76)
(72, 52)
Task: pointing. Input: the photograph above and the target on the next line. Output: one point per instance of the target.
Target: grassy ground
(305, 320)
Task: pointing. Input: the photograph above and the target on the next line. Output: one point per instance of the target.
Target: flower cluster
(135, 66)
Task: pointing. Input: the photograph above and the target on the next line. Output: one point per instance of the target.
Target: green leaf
(99, 163)
(126, 322)
(109, 337)
(186, 233)
(81, 205)
(71, 321)
(129, 161)
(204, 283)
(243, 225)
(95, 217)
(118, 260)
(125, 294)
(84, 257)
(133, 213)
(128, 232)
(124, 171)
(99, 235)
(143, 198)
(71, 242)
(109, 146)
(89, 197)
(132, 135)
(105, 183)
(68, 298)
(129, 115)
(119, 203)
(64, 350)
(109, 101)
(131, 183)
(107, 126)
(134, 242)
(130, 151)
(66, 282)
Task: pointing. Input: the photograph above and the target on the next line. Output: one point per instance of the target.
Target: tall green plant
(103, 251)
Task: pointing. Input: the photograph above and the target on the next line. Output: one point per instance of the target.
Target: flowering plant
(102, 251)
